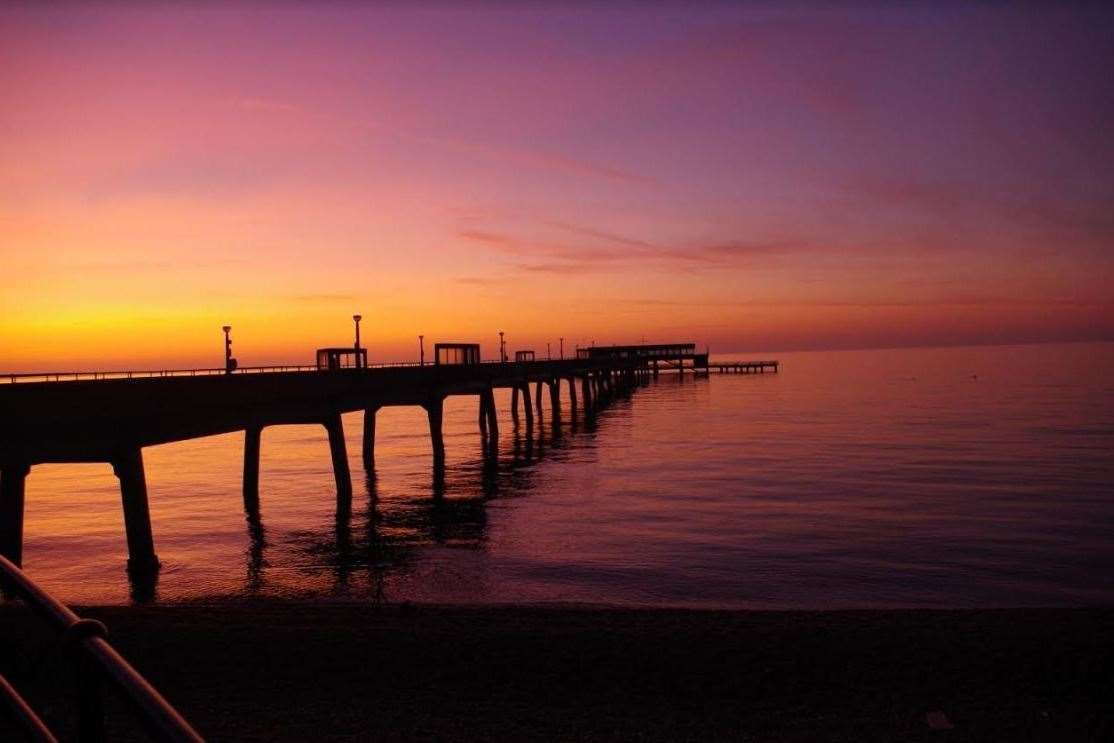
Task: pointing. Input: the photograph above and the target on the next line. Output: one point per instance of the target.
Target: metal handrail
(33, 726)
(75, 376)
(158, 717)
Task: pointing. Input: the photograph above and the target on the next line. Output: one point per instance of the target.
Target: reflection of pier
(111, 420)
(363, 548)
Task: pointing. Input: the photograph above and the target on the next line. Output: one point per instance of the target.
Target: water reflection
(363, 547)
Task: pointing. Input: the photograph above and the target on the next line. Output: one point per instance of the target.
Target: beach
(279, 671)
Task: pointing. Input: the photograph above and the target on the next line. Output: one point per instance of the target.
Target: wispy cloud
(481, 280)
(602, 235)
(959, 300)
(1083, 219)
(128, 265)
(602, 250)
(530, 158)
(566, 269)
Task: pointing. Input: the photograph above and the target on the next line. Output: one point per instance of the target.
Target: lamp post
(357, 318)
(227, 349)
(562, 348)
(421, 350)
(502, 348)
(548, 354)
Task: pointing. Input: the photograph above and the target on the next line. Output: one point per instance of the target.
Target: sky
(745, 176)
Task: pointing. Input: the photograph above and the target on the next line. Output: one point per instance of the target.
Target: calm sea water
(961, 477)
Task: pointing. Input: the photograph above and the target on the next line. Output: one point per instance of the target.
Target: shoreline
(295, 670)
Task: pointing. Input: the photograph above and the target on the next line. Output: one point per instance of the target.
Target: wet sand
(280, 671)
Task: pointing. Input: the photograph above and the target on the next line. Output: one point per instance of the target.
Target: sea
(944, 478)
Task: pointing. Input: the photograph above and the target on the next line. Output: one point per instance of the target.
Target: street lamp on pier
(229, 362)
(502, 348)
(562, 348)
(421, 350)
(357, 319)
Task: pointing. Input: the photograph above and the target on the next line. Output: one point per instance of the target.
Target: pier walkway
(110, 416)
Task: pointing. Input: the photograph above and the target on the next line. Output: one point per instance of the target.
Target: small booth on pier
(455, 354)
(520, 356)
(331, 359)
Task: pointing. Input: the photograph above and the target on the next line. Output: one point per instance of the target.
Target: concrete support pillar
(572, 396)
(369, 438)
(555, 397)
(252, 435)
(538, 399)
(339, 452)
(435, 411)
(586, 391)
(12, 480)
(128, 466)
(527, 407)
(514, 405)
(488, 411)
(655, 368)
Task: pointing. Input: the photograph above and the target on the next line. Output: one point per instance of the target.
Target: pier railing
(75, 376)
(98, 662)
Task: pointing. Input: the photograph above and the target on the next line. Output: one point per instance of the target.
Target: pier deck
(111, 416)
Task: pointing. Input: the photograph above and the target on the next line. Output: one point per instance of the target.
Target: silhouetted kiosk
(112, 417)
(331, 359)
(456, 353)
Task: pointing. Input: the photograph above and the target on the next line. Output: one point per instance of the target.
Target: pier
(111, 416)
(744, 367)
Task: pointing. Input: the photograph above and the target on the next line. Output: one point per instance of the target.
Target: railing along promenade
(78, 376)
(97, 663)
(111, 416)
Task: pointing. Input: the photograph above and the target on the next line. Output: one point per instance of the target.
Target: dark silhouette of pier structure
(111, 417)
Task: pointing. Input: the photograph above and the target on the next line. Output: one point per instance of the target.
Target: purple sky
(754, 177)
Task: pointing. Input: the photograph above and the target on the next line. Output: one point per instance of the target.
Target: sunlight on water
(944, 478)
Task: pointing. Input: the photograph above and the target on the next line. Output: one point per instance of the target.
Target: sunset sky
(751, 177)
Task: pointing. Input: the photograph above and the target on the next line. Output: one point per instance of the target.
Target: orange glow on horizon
(698, 179)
